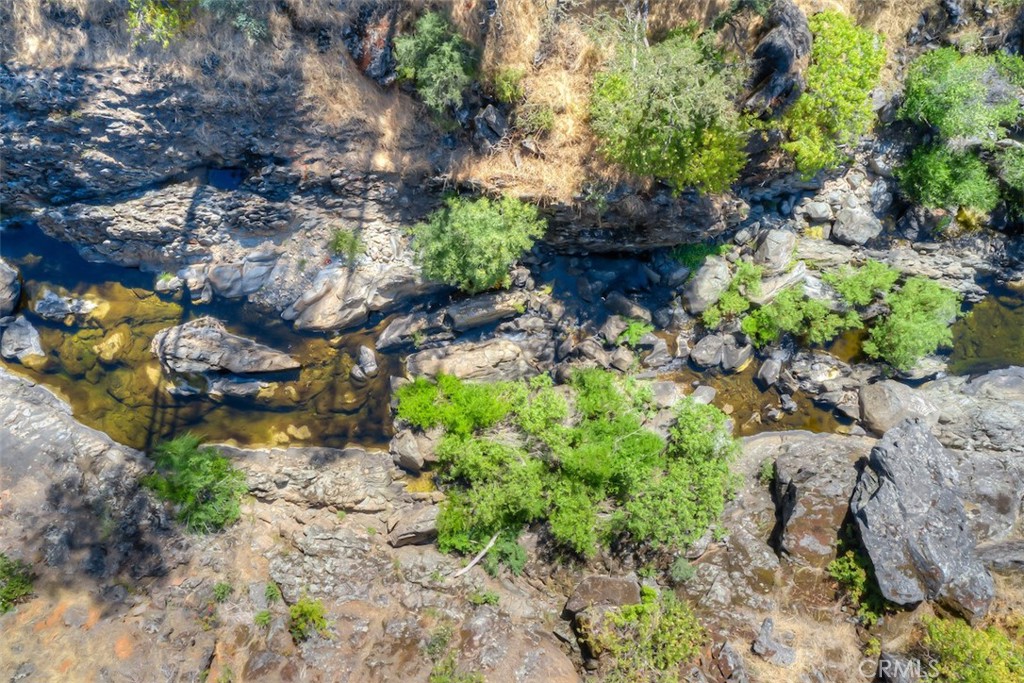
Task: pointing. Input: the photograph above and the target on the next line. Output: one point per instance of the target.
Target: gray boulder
(778, 58)
(708, 351)
(735, 355)
(204, 345)
(619, 303)
(405, 451)
(707, 286)
(487, 361)
(912, 523)
(66, 309)
(20, 340)
(413, 527)
(10, 288)
(885, 404)
(603, 591)
(855, 226)
(483, 310)
(775, 250)
(770, 648)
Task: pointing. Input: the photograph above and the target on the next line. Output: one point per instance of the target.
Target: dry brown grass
(831, 646)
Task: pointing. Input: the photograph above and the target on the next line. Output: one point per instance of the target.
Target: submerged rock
(912, 523)
(204, 345)
(20, 340)
(66, 309)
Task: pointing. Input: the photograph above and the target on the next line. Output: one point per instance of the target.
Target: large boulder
(413, 527)
(885, 404)
(484, 310)
(709, 351)
(775, 250)
(487, 361)
(707, 285)
(778, 58)
(814, 479)
(603, 591)
(204, 345)
(912, 524)
(10, 288)
(855, 226)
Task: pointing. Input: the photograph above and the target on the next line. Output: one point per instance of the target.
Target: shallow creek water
(105, 370)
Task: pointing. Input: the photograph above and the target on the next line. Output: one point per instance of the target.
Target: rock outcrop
(885, 404)
(488, 361)
(911, 521)
(20, 340)
(10, 288)
(205, 345)
(779, 57)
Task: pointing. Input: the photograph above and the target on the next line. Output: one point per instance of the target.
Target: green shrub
(650, 641)
(970, 96)
(305, 618)
(460, 407)
(745, 283)
(222, 591)
(527, 463)
(203, 485)
(795, 313)
(634, 332)
(472, 243)
(681, 571)
(446, 670)
(918, 323)
(667, 111)
(346, 243)
(15, 582)
(483, 598)
(508, 85)
(937, 177)
(239, 13)
(963, 654)
(262, 619)
(860, 286)
(853, 572)
(835, 109)
(272, 593)
(766, 473)
(437, 61)
(1011, 168)
(159, 20)
(692, 256)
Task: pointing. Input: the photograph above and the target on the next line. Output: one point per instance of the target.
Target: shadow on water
(991, 335)
(104, 368)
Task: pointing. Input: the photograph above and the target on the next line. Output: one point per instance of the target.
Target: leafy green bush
(272, 593)
(692, 256)
(853, 572)
(306, 617)
(938, 177)
(437, 61)
(239, 13)
(681, 571)
(835, 109)
(1011, 168)
(222, 591)
(966, 655)
(918, 323)
(483, 598)
(525, 462)
(506, 552)
(795, 313)
(634, 332)
(262, 619)
(667, 111)
(650, 641)
(472, 243)
(15, 582)
(534, 119)
(745, 283)
(969, 96)
(860, 286)
(203, 485)
(508, 85)
(159, 20)
(346, 243)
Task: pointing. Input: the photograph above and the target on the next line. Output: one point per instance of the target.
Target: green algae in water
(991, 335)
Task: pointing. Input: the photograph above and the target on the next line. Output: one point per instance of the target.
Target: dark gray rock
(855, 226)
(775, 250)
(768, 374)
(413, 527)
(885, 404)
(659, 355)
(771, 649)
(735, 354)
(405, 451)
(912, 523)
(617, 302)
(489, 128)
(778, 58)
(897, 668)
(66, 309)
(407, 330)
(708, 351)
(1003, 557)
(204, 345)
(483, 310)
(599, 590)
(10, 288)
(707, 285)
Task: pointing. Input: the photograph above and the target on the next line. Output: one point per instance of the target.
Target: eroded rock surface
(205, 345)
